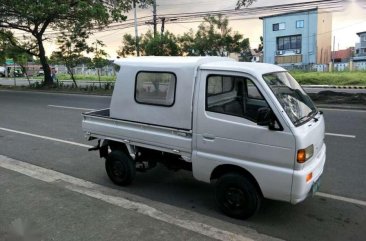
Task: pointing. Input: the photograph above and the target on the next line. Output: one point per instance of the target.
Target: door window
(232, 95)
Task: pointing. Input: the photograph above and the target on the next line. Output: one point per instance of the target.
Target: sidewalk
(37, 203)
(36, 210)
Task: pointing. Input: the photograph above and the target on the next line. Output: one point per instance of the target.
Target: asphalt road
(341, 216)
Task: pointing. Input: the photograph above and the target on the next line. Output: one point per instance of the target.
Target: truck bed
(99, 124)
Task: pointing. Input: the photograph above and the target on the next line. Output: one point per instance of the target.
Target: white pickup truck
(248, 127)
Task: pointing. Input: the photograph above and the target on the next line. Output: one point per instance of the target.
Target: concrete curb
(342, 107)
(335, 86)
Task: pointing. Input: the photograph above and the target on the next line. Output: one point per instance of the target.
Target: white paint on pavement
(340, 135)
(45, 137)
(98, 191)
(340, 198)
(70, 107)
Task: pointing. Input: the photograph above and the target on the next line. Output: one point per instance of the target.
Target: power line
(246, 13)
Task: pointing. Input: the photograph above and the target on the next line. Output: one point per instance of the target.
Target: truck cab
(248, 127)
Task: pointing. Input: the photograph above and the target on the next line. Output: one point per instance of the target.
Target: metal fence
(337, 67)
(108, 70)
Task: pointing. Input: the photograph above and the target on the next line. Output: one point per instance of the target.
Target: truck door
(226, 133)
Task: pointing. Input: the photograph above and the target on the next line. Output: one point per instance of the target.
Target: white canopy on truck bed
(179, 115)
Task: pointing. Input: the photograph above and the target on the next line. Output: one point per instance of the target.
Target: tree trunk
(46, 68)
(25, 72)
(100, 84)
(71, 73)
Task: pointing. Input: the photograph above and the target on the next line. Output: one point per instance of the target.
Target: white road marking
(340, 135)
(45, 137)
(70, 107)
(346, 110)
(340, 198)
(98, 192)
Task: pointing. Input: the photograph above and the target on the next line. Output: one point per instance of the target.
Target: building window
(300, 24)
(278, 26)
(289, 42)
(155, 88)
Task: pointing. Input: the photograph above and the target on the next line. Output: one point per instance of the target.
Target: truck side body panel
(99, 124)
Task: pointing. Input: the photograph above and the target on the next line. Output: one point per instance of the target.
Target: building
(297, 38)
(360, 50)
(343, 55)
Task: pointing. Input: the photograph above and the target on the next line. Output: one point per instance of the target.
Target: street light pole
(154, 17)
(136, 31)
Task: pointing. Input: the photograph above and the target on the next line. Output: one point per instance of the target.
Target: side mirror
(264, 116)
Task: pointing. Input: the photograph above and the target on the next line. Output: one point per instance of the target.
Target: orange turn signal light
(301, 156)
(309, 177)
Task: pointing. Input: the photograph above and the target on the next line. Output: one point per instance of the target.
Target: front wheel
(237, 196)
(120, 168)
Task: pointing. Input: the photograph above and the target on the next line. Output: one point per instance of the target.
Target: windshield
(296, 103)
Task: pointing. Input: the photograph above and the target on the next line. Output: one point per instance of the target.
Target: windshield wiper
(307, 117)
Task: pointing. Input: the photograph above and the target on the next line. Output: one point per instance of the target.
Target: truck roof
(204, 62)
(170, 60)
(251, 68)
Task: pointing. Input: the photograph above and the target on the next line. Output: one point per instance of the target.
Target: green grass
(326, 78)
(82, 77)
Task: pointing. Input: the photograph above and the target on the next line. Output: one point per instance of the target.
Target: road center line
(340, 198)
(340, 135)
(98, 192)
(45, 137)
(70, 107)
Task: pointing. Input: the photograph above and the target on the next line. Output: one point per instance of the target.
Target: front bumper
(300, 188)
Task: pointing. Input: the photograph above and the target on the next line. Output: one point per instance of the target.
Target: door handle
(208, 137)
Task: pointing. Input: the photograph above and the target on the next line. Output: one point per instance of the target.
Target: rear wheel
(120, 168)
(237, 196)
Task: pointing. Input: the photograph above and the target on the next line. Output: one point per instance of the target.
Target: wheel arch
(229, 168)
(113, 145)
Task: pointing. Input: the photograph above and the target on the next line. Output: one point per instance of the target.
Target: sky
(347, 21)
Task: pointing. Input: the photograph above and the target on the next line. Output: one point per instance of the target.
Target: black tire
(237, 196)
(121, 169)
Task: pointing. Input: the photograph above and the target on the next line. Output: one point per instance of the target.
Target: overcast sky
(346, 23)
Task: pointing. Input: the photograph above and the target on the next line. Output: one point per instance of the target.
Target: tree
(163, 44)
(8, 50)
(99, 60)
(243, 3)
(187, 43)
(72, 45)
(128, 46)
(34, 18)
(260, 45)
(214, 37)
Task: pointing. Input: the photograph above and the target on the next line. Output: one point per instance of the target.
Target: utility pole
(154, 17)
(136, 32)
(162, 25)
(333, 53)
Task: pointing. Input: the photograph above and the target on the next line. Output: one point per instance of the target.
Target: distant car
(2, 71)
(40, 72)
(18, 73)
